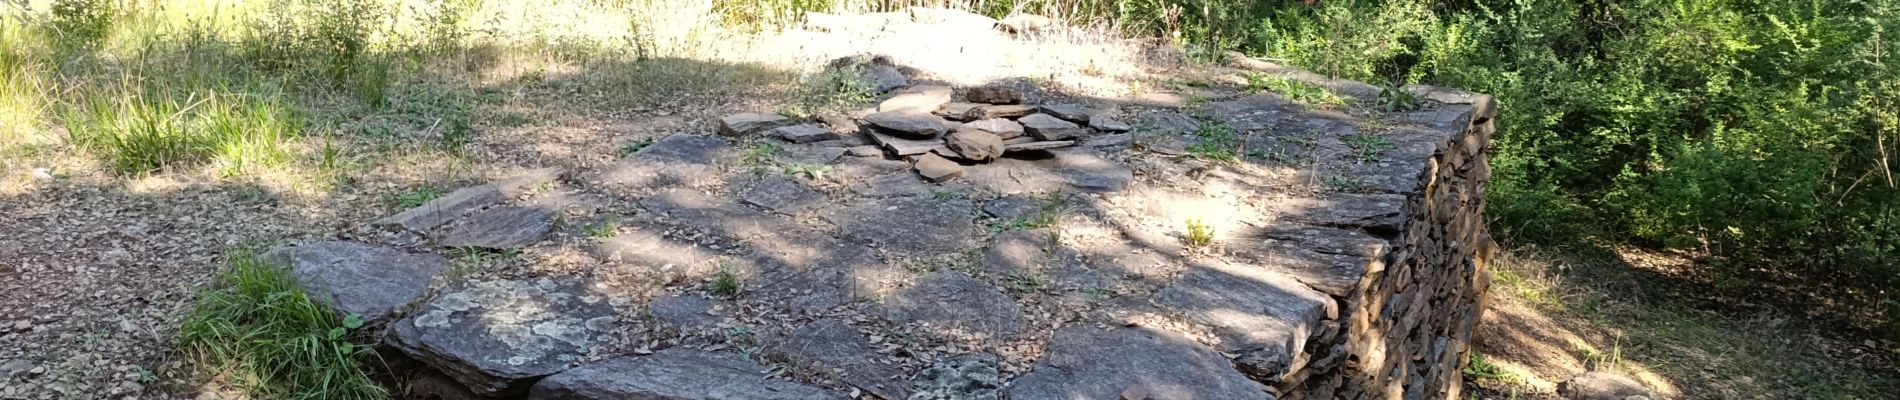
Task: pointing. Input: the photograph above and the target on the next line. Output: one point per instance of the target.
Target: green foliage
(139, 132)
(1367, 147)
(832, 90)
(81, 24)
(255, 330)
(1294, 90)
(726, 282)
(1198, 234)
(603, 229)
(1216, 141)
(635, 146)
(416, 198)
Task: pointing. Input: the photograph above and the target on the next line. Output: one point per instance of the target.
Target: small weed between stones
(1217, 142)
(1295, 90)
(417, 197)
(1022, 283)
(727, 282)
(475, 259)
(809, 171)
(1199, 234)
(1368, 147)
(603, 229)
(759, 153)
(1344, 185)
(635, 146)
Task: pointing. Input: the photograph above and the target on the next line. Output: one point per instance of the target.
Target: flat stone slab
(1003, 128)
(747, 124)
(677, 160)
(1069, 112)
(783, 194)
(913, 225)
(836, 348)
(685, 311)
(959, 377)
(667, 259)
(498, 336)
(1046, 127)
(370, 281)
(908, 123)
(675, 373)
(1079, 169)
(803, 133)
(462, 201)
(1037, 145)
(1001, 111)
(1379, 214)
(699, 211)
(935, 168)
(1009, 208)
(684, 149)
(893, 185)
(924, 98)
(498, 228)
(1086, 362)
(904, 146)
(1018, 251)
(952, 301)
(1330, 260)
(1260, 313)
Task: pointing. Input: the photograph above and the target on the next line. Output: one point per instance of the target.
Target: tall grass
(256, 331)
(139, 132)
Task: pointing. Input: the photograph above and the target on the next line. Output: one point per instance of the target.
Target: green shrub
(139, 132)
(254, 329)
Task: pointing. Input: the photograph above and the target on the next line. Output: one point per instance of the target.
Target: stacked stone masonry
(1348, 263)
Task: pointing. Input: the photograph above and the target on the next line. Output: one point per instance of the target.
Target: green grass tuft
(138, 133)
(1198, 234)
(726, 282)
(256, 331)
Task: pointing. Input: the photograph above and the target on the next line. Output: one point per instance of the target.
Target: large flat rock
(696, 210)
(1328, 259)
(1066, 169)
(498, 336)
(370, 281)
(1379, 214)
(782, 194)
(838, 349)
(674, 374)
(951, 301)
(913, 225)
(655, 255)
(466, 200)
(1084, 362)
(677, 160)
(1262, 314)
(497, 228)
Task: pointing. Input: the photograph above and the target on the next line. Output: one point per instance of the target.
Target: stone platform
(1251, 247)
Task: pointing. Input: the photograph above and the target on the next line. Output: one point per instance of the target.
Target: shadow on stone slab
(912, 225)
(1262, 314)
(497, 228)
(1040, 172)
(950, 300)
(838, 349)
(1086, 362)
(371, 281)
(674, 374)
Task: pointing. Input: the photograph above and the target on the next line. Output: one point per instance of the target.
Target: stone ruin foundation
(958, 243)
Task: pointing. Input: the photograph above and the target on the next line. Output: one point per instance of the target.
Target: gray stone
(1006, 111)
(1600, 385)
(1107, 124)
(1170, 122)
(1069, 112)
(673, 374)
(695, 210)
(497, 228)
(957, 111)
(782, 194)
(684, 311)
(497, 337)
(1046, 127)
(1328, 259)
(810, 154)
(959, 377)
(1085, 362)
(1010, 208)
(893, 185)
(936, 168)
(571, 200)
(886, 77)
(913, 225)
(839, 350)
(680, 159)
(465, 200)
(917, 98)
(371, 281)
(901, 145)
(1037, 145)
(1063, 169)
(654, 255)
(1258, 313)
(994, 95)
(864, 151)
(949, 301)
(1379, 214)
(975, 145)
(1003, 128)
(910, 123)
(1018, 251)
(804, 133)
(748, 124)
